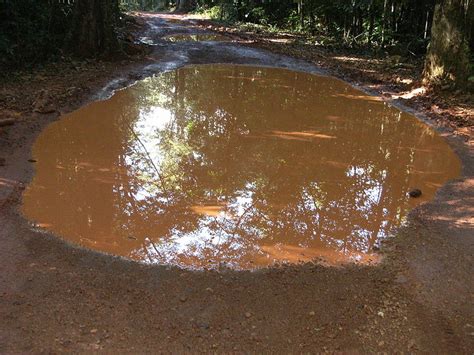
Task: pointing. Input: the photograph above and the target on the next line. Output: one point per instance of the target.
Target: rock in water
(415, 193)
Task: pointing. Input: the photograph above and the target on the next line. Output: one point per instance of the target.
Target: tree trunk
(184, 6)
(301, 13)
(384, 22)
(371, 22)
(94, 27)
(447, 60)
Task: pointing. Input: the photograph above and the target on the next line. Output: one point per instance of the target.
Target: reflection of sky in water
(206, 236)
(236, 172)
(221, 229)
(149, 121)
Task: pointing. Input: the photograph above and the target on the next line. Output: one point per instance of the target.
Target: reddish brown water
(242, 165)
(197, 37)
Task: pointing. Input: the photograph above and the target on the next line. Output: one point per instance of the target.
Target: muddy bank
(56, 298)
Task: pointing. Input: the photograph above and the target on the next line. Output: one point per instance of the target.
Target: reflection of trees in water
(284, 159)
(294, 196)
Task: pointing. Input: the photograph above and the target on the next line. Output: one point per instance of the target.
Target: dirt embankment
(58, 298)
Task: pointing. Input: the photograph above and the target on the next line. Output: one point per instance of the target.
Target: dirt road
(58, 298)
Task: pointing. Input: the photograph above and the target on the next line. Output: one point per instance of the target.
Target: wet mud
(58, 297)
(197, 38)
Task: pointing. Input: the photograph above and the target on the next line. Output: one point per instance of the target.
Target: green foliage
(379, 23)
(293, 20)
(143, 5)
(258, 15)
(212, 12)
(31, 30)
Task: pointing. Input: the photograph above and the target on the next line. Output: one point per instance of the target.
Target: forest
(33, 31)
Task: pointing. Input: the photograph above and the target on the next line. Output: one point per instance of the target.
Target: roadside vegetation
(380, 27)
(32, 32)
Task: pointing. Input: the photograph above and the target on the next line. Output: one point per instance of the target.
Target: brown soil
(55, 297)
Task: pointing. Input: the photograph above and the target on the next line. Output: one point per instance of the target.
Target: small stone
(380, 314)
(203, 325)
(248, 314)
(401, 279)
(183, 299)
(312, 313)
(93, 331)
(415, 193)
(382, 343)
(209, 290)
(411, 344)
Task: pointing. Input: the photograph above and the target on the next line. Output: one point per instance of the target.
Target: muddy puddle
(202, 37)
(239, 165)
